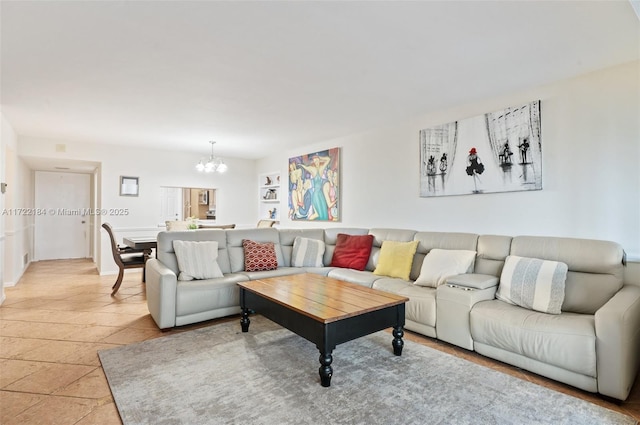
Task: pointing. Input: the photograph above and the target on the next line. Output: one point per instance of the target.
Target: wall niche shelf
(269, 196)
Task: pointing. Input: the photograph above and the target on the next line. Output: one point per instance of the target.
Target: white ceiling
(258, 76)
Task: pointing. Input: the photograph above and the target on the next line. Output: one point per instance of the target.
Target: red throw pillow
(352, 251)
(259, 256)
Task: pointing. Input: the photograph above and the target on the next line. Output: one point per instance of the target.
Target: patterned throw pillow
(259, 256)
(307, 252)
(533, 283)
(352, 251)
(197, 260)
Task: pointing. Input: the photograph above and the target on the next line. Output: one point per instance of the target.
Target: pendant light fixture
(213, 164)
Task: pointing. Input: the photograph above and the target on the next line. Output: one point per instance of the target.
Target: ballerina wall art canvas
(314, 186)
(495, 152)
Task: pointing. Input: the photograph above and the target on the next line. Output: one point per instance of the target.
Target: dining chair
(125, 258)
(172, 226)
(218, 226)
(266, 223)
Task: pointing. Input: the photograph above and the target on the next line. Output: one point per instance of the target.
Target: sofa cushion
(199, 296)
(287, 238)
(566, 340)
(167, 256)
(439, 264)
(259, 256)
(595, 267)
(307, 252)
(330, 237)
(352, 251)
(492, 251)
(197, 259)
(280, 271)
(440, 240)
(360, 277)
(533, 283)
(421, 307)
(395, 259)
(235, 249)
(380, 235)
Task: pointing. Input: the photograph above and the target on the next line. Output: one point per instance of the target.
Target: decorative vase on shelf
(270, 194)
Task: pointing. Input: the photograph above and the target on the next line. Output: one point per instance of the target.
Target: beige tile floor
(61, 313)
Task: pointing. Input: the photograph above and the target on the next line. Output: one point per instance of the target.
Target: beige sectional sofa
(593, 344)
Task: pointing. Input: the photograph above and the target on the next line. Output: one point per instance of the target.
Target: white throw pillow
(533, 283)
(197, 260)
(439, 264)
(307, 252)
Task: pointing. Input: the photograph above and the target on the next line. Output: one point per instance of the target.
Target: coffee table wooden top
(320, 297)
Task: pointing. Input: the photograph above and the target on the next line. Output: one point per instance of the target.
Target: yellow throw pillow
(396, 258)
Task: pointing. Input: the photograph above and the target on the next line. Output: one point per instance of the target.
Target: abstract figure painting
(314, 186)
(495, 152)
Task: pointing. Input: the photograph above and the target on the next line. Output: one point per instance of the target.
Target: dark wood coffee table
(324, 311)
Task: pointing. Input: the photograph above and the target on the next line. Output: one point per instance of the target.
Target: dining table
(146, 243)
(141, 242)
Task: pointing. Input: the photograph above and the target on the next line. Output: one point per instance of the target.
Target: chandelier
(213, 164)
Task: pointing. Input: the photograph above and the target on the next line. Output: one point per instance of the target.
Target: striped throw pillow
(533, 283)
(197, 260)
(307, 252)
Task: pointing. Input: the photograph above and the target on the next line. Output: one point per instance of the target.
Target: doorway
(62, 225)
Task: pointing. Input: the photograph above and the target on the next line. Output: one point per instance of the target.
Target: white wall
(16, 230)
(591, 152)
(7, 137)
(155, 168)
(591, 178)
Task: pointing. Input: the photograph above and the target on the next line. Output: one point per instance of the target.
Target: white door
(171, 204)
(62, 202)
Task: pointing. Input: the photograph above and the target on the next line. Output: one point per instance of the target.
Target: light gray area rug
(218, 375)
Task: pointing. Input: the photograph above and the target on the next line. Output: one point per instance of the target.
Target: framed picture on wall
(314, 186)
(129, 186)
(498, 151)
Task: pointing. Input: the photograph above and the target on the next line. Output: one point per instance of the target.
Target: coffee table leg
(397, 343)
(326, 371)
(244, 321)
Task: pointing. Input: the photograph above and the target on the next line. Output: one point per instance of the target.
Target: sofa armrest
(473, 280)
(453, 312)
(162, 284)
(618, 342)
